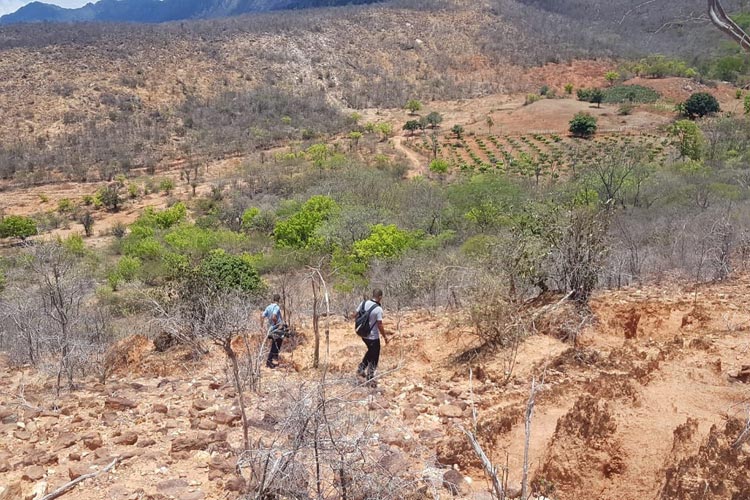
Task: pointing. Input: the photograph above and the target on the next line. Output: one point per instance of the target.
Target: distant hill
(157, 11)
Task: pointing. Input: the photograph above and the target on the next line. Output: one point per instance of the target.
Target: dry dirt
(645, 406)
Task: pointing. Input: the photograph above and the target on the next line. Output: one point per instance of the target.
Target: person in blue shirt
(272, 315)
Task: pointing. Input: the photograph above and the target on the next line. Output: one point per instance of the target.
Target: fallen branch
(69, 486)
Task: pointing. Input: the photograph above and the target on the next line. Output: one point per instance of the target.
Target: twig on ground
(69, 486)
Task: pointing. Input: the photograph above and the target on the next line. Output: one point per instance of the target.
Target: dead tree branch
(69, 486)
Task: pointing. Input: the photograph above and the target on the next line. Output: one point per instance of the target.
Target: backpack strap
(375, 306)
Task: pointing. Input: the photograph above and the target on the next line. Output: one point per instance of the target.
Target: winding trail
(418, 162)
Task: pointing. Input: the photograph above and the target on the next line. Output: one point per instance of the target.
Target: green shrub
(439, 166)
(167, 186)
(568, 88)
(299, 230)
(17, 226)
(65, 206)
(532, 98)
(162, 219)
(701, 104)
(230, 272)
(583, 125)
(248, 218)
(384, 242)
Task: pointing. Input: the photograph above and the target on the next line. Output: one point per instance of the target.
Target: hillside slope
(646, 406)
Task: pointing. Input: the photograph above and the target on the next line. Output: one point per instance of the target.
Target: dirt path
(417, 161)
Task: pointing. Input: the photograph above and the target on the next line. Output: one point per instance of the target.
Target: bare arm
(382, 331)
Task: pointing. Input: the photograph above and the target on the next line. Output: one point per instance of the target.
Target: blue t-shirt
(271, 311)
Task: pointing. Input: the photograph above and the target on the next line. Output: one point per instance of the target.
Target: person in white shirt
(369, 364)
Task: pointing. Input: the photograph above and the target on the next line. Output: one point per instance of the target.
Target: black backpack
(362, 321)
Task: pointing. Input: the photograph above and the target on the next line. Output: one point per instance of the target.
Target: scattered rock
(226, 418)
(196, 442)
(743, 375)
(207, 425)
(450, 411)
(454, 482)
(92, 441)
(22, 435)
(65, 440)
(201, 404)
(34, 473)
(119, 404)
(127, 439)
(77, 470)
(160, 408)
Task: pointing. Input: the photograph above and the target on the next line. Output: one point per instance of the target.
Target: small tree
(688, 139)
(17, 226)
(583, 125)
(701, 104)
(413, 105)
(597, 97)
(434, 119)
(458, 130)
(611, 77)
(355, 136)
(569, 88)
(490, 123)
(87, 221)
(411, 126)
(439, 166)
(111, 197)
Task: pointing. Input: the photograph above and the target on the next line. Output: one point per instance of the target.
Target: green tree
(17, 226)
(596, 97)
(611, 77)
(458, 130)
(583, 125)
(701, 104)
(413, 106)
(318, 154)
(569, 88)
(411, 126)
(434, 119)
(688, 139)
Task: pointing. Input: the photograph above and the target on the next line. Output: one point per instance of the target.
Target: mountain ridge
(158, 11)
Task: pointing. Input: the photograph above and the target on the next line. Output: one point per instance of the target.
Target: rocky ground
(651, 402)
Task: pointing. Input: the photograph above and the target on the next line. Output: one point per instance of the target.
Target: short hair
(276, 297)
(377, 293)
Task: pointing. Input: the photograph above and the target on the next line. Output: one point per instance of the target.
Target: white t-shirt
(375, 316)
